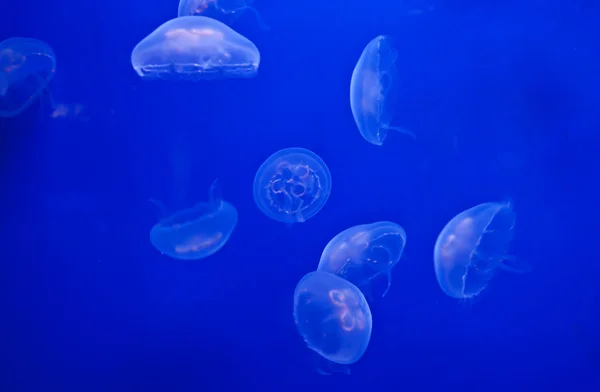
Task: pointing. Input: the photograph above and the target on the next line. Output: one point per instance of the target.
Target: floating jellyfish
(472, 247)
(361, 253)
(292, 185)
(333, 317)
(373, 90)
(195, 48)
(227, 11)
(27, 66)
(196, 232)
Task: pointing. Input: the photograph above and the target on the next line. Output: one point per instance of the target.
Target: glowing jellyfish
(227, 11)
(196, 232)
(333, 317)
(27, 66)
(472, 247)
(195, 48)
(373, 90)
(292, 185)
(361, 253)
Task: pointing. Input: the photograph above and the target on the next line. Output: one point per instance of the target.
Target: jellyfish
(27, 66)
(227, 11)
(197, 232)
(292, 185)
(333, 317)
(373, 90)
(473, 246)
(195, 48)
(364, 252)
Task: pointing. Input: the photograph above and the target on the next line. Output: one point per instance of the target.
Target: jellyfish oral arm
(511, 264)
(402, 131)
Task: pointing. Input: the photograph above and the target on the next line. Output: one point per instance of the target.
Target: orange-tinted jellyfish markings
(197, 232)
(333, 317)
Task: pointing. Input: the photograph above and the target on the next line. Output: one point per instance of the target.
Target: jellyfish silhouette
(227, 11)
(195, 48)
(373, 90)
(292, 185)
(473, 246)
(364, 252)
(333, 317)
(196, 232)
(27, 66)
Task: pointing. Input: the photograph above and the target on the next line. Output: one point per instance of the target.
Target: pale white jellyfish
(373, 90)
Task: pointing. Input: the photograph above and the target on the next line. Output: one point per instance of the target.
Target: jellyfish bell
(363, 253)
(374, 89)
(195, 48)
(227, 11)
(292, 185)
(197, 232)
(473, 247)
(27, 66)
(333, 317)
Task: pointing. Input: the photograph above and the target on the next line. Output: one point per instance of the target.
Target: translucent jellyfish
(333, 317)
(361, 253)
(373, 90)
(195, 48)
(472, 247)
(292, 185)
(227, 11)
(27, 66)
(196, 232)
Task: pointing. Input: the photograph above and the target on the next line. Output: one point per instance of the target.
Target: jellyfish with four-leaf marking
(227, 11)
(27, 66)
(333, 317)
(197, 232)
(374, 89)
(473, 247)
(195, 48)
(362, 253)
(292, 185)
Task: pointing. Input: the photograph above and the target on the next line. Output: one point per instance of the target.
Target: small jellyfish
(196, 232)
(195, 48)
(472, 247)
(27, 66)
(227, 11)
(373, 90)
(333, 317)
(363, 252)
(292, 185)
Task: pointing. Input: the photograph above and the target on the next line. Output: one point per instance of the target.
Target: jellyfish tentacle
(214, 193)
(163, 213)
(240, 11)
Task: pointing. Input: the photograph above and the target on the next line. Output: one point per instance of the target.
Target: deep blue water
(503, 99)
